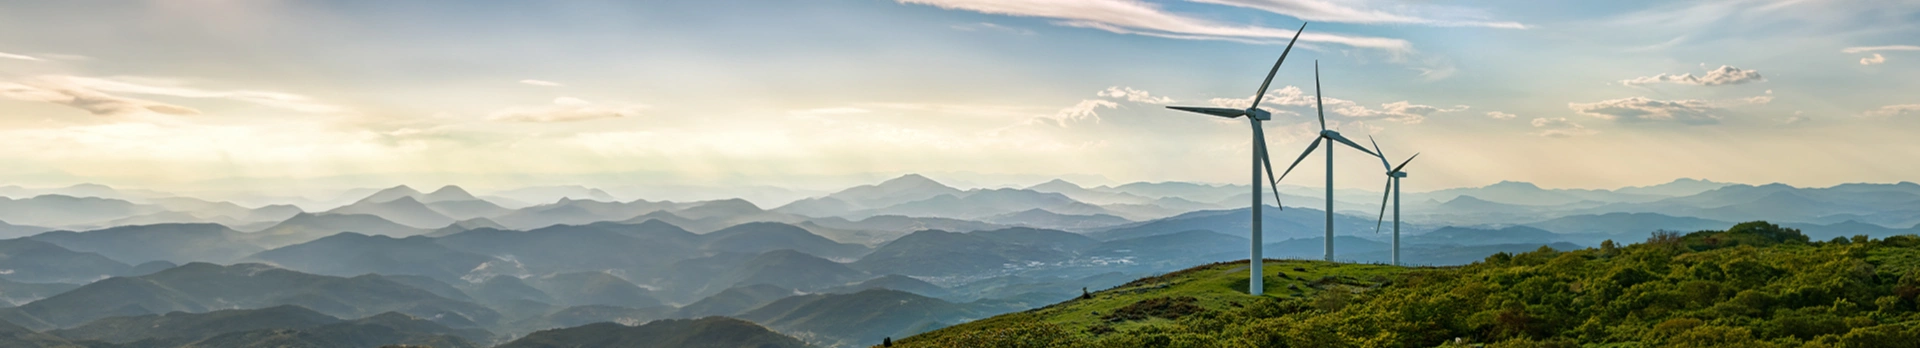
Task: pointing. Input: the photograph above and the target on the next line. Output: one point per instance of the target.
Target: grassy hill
(1753, 285)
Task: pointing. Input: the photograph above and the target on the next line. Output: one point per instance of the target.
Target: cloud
(984, 26)
(543, 83)
(97, 95)
(1133, 95)
(1641, 109)
(1142, 18)
(566, 109)
(1875, 59)
(61, 91)
(1861, 49)
(1400, 111)
(1559, 127)
(1895, 110)
(1331, 11)
(1725, 75)
(1085, 110)
(1501, 115)
(18, 56)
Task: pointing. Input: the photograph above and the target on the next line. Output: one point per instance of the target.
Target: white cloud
(1133, 95)
(1895, 110)
(542, 83)
(1501, 115)
(984, 26)
(1400, 111)
(1559, 127)
(830, 111)
(566, 109)
(18, 56)
(1880, 48)
(1341, 12)
(1142, 18)
(1875, 59)
(1641, 109)
(1725, 75)
(1084, 110)
(59, 91)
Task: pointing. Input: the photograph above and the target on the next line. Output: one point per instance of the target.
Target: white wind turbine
(1255, 284)
(1393, 189)
(1331, 136)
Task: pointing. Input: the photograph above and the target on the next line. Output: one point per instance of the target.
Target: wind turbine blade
(1383, 205)
(1262, 94)
(1382, 154)
(1343, 140)
(1403, 164)
(1222, 112)
(1303, 156)
(1266, 159)
(1320, 106)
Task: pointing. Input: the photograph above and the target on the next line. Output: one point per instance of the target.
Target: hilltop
(1753, 285)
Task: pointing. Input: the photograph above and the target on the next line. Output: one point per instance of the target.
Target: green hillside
(1754, 285)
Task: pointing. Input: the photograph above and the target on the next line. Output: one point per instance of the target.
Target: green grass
(1215, 286)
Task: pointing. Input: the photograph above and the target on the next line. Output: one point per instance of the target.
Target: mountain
(498, 290)
(1041, 218)
(11, 231)
(894, 282)
(447, 193)
(858, 319)
(404, 210)
(176, 243)
(466, 225)
(977, 204)
(1276, 224)
(818, 207)
(1183, 190)
(1676, 188)
(880, 229)
(385, 329)
(1345, 248)
(350, 254)
(1624, 226)
(758, 237)
(718, 208)
(306, 227)
(202, 287)
(585, 315)
(940, 253)
(784, 268)
(12, 335)
(735, 300)
(1466, 236)
(567, 211)
(389, 194)
(594, 288)
(906, 188)
(178, 328)
(564, 248)
(1522, 193)
(554, 193)
(1043, 238)
(28, 260)
(13, 293)
(468, 209)
(711, 332)
(1195, 246)
(1078, 193)
(59, 210)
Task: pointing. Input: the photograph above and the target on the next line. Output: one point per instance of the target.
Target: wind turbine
(1331, 136)
(1393, 189)
(1255, 285)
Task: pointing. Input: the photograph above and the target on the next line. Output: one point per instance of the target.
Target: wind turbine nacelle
(1259, 114)
(1399, 174)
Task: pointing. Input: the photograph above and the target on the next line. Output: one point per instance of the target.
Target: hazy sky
(1564, 94)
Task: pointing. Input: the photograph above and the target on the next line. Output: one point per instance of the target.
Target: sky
(266, 94)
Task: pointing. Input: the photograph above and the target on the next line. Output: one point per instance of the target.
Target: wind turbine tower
(1330, 136)
(1255, 283)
